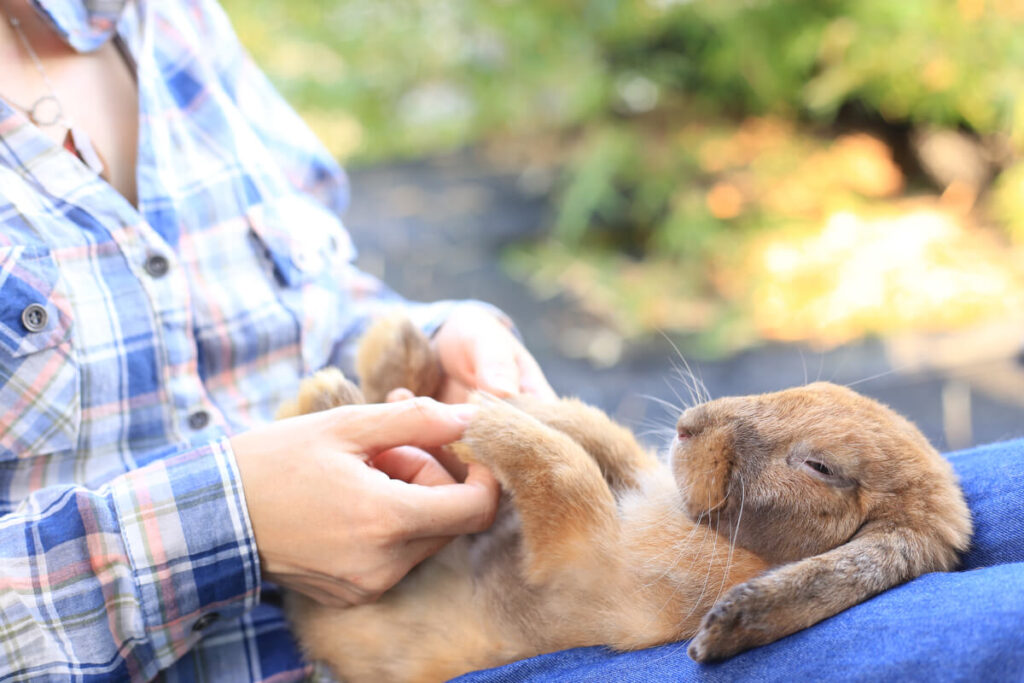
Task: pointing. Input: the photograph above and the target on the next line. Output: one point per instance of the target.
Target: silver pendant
(46, 111)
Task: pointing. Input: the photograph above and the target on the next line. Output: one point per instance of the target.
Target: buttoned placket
(152, 260)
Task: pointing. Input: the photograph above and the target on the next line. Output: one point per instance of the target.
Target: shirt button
(198, 419)
(204, 621)
(157, 265)
(34, 317)
(303, 260)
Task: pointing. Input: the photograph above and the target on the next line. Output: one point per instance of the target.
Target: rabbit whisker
(667, 404)
(732, 539)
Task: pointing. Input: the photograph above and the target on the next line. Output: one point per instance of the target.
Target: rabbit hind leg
(395, 354)
(613, 447)
(566, 508)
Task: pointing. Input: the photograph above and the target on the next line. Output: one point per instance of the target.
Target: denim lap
(965, 625)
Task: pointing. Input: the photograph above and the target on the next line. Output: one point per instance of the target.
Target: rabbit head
(798, 472)
(846, 495)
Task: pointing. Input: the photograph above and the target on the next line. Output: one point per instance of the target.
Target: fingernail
(464, 412)
(401, 394)
(501, 383)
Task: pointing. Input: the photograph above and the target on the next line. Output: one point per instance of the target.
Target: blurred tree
(681, 129)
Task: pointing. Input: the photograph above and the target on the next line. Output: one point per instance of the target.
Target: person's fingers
(400, 394)
(467, 508)
(531, 378)
(480, 352)
(421, 422)
(451, 462)
(494, 362)
(478, 475)
(412, 465)
(453, 391)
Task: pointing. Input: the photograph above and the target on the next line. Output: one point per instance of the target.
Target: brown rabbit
(790, 507)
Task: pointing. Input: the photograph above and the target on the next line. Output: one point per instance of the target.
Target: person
(171, 264)
(168, 272)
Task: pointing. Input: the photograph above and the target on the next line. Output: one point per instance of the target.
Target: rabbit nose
(690, 422)
(688, 426)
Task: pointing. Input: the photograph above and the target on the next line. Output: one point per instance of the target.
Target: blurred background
(768, 191)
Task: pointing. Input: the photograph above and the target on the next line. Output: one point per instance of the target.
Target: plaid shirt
(133, 342)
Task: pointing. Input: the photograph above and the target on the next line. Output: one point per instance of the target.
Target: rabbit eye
(685, 432)
(816, 463)
(820, 467)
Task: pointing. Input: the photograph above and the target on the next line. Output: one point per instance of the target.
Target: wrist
(188, 572)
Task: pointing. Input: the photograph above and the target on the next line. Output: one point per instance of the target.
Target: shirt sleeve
(118, 582)
(312, 171)
(303, 159)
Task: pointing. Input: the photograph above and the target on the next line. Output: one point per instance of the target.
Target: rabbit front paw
(733, 625)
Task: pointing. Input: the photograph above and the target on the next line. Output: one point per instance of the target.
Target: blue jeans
(964, 625)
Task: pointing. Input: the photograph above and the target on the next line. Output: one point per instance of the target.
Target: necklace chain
(47, 110)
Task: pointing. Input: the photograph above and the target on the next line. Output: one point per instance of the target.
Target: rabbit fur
(772, 513)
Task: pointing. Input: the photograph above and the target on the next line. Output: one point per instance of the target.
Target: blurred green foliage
(638, 93)
(426, 74)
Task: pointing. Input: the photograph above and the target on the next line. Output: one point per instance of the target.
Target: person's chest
(170, 324)
(115, 344)
(103, 102)
(61, 90)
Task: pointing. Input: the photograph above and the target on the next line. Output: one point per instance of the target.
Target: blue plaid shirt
(133, 342)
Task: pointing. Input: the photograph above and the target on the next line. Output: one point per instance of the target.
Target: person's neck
(96, 90)
(44, 40)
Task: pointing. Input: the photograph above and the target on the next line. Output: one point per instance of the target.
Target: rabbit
(772, 513)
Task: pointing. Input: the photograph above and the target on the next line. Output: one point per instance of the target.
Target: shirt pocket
(309, 253)
(40, 396)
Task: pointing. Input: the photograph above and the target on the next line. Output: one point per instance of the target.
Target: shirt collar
(85, 25)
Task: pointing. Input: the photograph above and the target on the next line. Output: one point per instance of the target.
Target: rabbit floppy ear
(800, 594)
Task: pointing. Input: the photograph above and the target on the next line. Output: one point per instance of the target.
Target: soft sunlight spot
(781, 259)
(292, 60)
(922, 269)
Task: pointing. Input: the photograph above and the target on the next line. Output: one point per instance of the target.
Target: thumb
(412, 465)
(496, 369)
(421, 422)
(531, 378)
(454, 509)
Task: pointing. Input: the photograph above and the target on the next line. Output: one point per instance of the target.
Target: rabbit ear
(797, 595)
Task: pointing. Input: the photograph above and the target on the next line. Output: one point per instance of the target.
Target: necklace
(47, 110)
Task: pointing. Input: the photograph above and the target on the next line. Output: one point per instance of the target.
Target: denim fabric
(959, 626)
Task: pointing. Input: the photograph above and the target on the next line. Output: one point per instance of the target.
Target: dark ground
(434, 229)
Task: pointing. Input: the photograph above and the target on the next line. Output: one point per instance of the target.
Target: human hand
(479, 352)
(343, 504)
